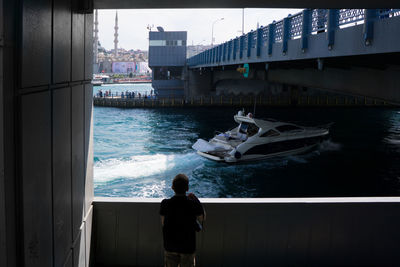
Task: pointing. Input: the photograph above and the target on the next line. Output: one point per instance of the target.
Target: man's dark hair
(180, 184)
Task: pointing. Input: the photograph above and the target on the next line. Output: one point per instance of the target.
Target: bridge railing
(388, 13)
(347, 16)
(296, 23)
(318, 20)
(279, 99)
(300, 25)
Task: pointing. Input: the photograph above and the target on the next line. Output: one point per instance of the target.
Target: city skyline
(133, 32)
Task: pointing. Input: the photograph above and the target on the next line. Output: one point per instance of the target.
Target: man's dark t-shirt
(179, 223)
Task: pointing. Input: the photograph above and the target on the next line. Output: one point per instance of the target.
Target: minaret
(96, 38)
(116, 35)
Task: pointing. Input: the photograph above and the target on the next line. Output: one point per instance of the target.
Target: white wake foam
(134, 167)
(392, 140)
(140, 166)
(155, 189)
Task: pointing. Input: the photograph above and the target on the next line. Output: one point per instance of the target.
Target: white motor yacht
(256, 139)
(97, 82)
(99, 79)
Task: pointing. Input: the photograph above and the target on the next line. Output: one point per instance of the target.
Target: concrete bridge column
(46, 154)
(369, 20)
(306, 29)
(199, 83)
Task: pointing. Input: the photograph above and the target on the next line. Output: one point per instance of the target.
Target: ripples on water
(139, 151)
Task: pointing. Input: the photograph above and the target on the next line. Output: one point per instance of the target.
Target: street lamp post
(212, 31)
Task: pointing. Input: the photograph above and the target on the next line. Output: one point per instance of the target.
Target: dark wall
(3, 252)
(198, 83)
(46, 121)
(371, 82)
(256, 232)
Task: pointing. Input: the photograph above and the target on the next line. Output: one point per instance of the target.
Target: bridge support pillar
(241, 47)
(285, 35)
(199, 83)
(332, 26)
(213, 56)
(271, 37)
(223, 52)
(229, 50)
(259, 41)
(249, 43)
(305, 32)
(370, 17)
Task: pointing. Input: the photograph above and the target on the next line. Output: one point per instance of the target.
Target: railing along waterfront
(239, 101)
(300, 25)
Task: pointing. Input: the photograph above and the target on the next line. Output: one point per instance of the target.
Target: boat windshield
(248, 128)
(243, 127)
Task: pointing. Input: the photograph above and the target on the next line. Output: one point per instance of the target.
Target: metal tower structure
(116, 35)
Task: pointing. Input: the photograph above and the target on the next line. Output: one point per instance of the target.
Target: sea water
(137, 152)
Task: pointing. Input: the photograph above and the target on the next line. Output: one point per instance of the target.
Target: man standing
(181, 217)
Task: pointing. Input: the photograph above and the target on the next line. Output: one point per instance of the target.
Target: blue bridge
(352, 51)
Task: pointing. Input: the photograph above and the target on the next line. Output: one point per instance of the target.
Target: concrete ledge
(259, 200)
(359, 231)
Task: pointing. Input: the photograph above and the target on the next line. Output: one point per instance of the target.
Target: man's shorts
(175, 259)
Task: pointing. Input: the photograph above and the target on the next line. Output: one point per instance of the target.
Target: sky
(133, 32)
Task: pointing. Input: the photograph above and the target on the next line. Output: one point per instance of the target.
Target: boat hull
(209, 156)
(259, 157)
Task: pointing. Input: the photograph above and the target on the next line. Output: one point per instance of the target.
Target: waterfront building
(136, 68)
(117, 60)
(105, 66)
(167, 59)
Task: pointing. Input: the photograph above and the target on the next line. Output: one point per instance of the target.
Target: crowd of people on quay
(127, 94)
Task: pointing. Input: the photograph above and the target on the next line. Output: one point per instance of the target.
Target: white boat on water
(98, 80)
(256, 139)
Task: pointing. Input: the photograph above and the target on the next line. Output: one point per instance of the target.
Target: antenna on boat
(255, 102)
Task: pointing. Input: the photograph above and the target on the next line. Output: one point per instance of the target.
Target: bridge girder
(129, 4)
